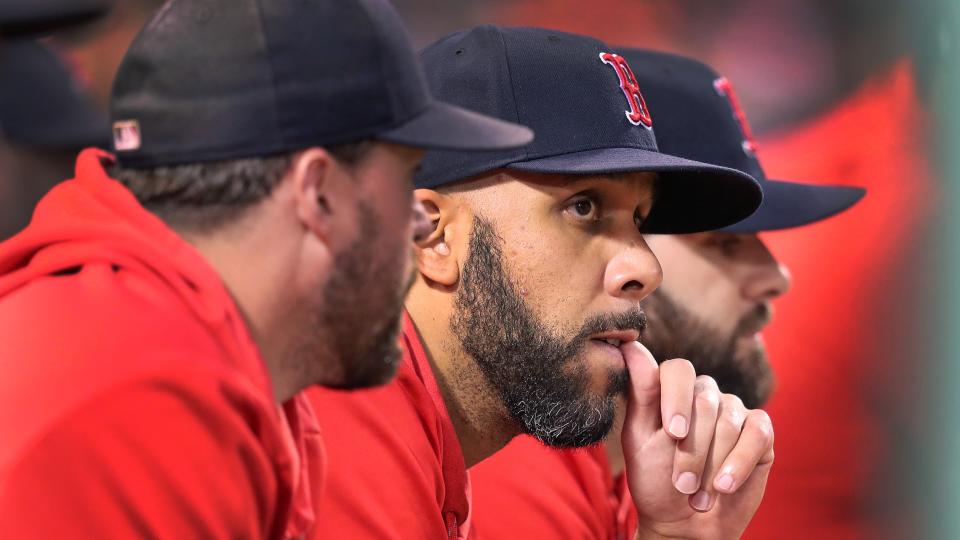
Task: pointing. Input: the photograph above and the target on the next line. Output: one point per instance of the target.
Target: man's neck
(478, 416)
(252, 283)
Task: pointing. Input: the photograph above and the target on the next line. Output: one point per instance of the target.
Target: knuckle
(706, 382)
(708, 399)
(732, 412)
(733, 402)
(679, 365)
(761, 422)
(760, 416)
(733, 418)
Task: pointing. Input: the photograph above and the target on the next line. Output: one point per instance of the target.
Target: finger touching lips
(677, 381)
(643, 403)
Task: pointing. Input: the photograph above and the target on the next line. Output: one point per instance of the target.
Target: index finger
(677, 380)
(643, 397)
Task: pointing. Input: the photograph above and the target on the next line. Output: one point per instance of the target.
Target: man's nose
(633, 273)
(768, 278)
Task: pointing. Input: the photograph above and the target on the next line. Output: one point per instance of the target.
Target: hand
(697, 460)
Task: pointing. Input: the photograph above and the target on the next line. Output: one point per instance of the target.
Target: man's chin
(755, 377)
(580, 438)
(374, 368)
(752, 353)
(581, 422)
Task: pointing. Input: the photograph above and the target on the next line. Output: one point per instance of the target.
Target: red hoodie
(133, 401)
(528, 490)
(398, 467)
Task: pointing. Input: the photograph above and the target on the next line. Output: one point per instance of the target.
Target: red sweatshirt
(396, 467)
(133, 402)
(528, 490)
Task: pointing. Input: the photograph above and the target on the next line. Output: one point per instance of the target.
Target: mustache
(634, 319)
(755, 320)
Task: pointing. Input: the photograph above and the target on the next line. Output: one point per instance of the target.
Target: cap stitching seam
(273, 76)
(513, 90)
(380, 61)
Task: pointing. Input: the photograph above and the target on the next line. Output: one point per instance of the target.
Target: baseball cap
(701, 119)
(210, 80)
(40, 103)
(589, 116)
(19, 18)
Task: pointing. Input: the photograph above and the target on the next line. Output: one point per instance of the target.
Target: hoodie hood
(93, 219)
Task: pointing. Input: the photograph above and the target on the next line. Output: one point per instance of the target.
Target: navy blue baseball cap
(41, 105)
(20, 18)
(210, 80)
(589, 115)
(701, 119)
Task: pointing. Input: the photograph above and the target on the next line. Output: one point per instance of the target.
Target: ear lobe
(436, 264)
(436, 260)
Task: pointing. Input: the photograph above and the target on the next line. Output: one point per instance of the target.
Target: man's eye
(586, 209)
(727, 243)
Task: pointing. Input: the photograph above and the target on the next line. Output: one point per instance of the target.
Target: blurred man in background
(29, 18)
(45, 120)
(46, 116)
(94, 50)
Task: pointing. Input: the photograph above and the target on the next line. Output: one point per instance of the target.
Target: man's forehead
(697, 244)
(511, 186)
(636, 176)
(543, 181)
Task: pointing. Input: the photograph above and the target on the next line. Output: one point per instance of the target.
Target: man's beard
(362, 308)
(674, 332)
(535, 373)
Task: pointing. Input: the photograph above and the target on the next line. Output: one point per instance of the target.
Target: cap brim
(25, 18)
(448, 127)
(690, 196)
(792, 204)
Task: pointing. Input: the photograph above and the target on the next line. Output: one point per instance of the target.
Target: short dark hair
(204, 196)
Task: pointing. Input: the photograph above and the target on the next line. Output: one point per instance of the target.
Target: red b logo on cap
(638, 113)
(724, 88)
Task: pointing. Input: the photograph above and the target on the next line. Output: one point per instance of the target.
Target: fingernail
(687, 483)
(700, 501)
(725, 482)
(678, 426)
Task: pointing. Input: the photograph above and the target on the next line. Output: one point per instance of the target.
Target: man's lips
(616, 338)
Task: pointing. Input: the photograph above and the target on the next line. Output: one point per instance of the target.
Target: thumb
(643, 398)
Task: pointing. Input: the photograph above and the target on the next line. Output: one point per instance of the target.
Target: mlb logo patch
(126, 136)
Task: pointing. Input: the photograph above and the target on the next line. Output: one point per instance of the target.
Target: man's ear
(436, 252)
(311, 170)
